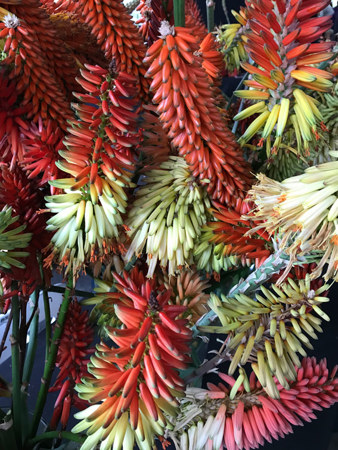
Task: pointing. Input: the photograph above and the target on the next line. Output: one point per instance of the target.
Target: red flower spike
(76, 36)
(41, 145)
(248, 418)
(230, 229)
(191, 117)
(194, 20)
(10, 120)
(72, 359)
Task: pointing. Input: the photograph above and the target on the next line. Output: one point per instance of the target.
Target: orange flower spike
(41, 85)
(187, 112)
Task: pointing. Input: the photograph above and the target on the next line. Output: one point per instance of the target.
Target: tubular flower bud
(72, 359)
(238, 414)
(189, 113)
(129, 403)
(269, 330)
(280, 38)
(167, 215)
(304, 209)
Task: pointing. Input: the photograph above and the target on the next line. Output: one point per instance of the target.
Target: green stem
(50, 363)
(46, 308)
(33, 334)
(47, 319)
(33, 326)
(55, 435)
(179, 13)
(210, 15)
(16, 382)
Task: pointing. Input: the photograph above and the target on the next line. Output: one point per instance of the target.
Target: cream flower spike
(304, 209)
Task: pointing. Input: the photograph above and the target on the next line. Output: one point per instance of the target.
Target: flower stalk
(55, 435)
(33, 334)
(46, 308)
(50, 363)
(210, 15)
(179, 16)
(16, 381)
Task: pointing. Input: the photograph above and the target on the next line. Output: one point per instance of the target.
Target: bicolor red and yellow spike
(117, 387)
(281, 42)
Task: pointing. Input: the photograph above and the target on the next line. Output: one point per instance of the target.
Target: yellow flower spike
(253, 109)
